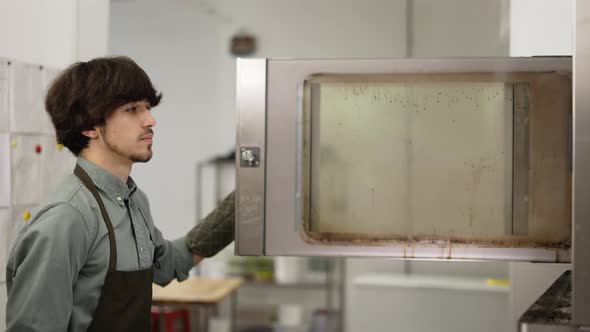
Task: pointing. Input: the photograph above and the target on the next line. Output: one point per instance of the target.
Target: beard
(133, 157)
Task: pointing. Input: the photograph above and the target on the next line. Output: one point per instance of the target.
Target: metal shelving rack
(334, 284)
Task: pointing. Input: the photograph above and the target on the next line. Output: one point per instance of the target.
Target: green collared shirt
(59, 261)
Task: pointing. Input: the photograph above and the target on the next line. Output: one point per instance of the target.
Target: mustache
(148, 132)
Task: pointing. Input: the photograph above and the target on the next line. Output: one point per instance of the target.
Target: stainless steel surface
(342, 290)
(285, 78)
(581, 167)
(520, 169)
(250, 181)
(524, 327)
(554, 307)
(249, 156)
(409, 28)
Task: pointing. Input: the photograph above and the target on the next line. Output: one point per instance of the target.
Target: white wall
(38, 31)
(51, 33)
(460, 28)
(92, 28)
(176, 43)
(541, 27)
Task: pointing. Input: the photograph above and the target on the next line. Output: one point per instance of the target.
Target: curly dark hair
(86, 93)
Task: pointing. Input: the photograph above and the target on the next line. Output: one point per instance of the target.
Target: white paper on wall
(26, 169)
(49, 74)
(26, 98)
(5, 238)
(4, 95)
(5, 167)
(56, 163)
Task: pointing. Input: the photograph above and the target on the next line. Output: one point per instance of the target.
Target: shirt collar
(107, 182)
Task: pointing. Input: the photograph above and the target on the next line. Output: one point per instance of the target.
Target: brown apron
(126, 296)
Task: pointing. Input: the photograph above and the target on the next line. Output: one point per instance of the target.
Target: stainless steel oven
(459, 158)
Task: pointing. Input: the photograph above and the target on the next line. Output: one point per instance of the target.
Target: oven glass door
(454, 157)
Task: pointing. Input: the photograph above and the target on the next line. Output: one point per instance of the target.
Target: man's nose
(150, 121)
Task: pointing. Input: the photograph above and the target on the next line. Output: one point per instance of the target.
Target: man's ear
(91, 133)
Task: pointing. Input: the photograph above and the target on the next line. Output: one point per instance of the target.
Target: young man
(87, 258)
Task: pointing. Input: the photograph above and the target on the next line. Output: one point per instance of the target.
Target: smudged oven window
(461, 157)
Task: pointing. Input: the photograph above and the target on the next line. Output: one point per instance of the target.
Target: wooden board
(196, 290)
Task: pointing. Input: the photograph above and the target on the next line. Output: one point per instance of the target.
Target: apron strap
(87, 181)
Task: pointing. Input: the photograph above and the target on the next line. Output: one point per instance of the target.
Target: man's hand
(214, 232)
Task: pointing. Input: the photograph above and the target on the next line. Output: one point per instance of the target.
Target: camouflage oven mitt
(214, 232)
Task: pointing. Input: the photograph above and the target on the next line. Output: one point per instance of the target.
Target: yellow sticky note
(59, 147)
(497, 282)
(26, 215)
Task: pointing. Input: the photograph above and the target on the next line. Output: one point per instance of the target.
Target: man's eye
(132, 109)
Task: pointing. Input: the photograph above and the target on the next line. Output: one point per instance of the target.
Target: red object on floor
(170, 316)
(155, 315)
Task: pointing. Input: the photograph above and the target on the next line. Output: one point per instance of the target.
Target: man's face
(128, 133)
